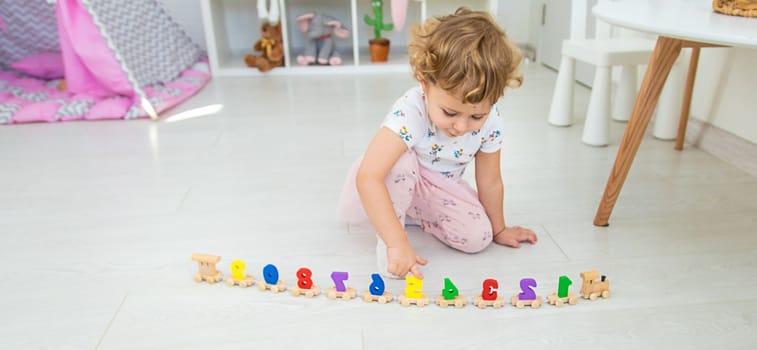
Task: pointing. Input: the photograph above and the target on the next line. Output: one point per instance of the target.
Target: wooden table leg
(665, 53)
(686, 103)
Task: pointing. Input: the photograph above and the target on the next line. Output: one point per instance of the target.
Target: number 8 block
(305, 285)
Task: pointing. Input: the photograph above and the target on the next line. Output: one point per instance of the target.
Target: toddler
(414, 164)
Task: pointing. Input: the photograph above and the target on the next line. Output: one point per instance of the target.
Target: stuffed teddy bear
(270, 44)
(271, 48)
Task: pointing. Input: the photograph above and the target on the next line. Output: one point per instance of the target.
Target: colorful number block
(527, 296)
(413, 292)
(451, 296)
(238, 278)
(271, 280)
(376, 291)
(488, 296)
(489, 291)
(563, 286)
(340, 290)
(563, 295)
(305, 285)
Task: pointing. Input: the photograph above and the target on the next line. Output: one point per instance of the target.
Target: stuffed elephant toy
(319, 31)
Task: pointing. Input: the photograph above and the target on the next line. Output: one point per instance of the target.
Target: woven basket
(744, 8)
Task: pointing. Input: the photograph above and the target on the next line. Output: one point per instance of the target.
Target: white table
(679, 24)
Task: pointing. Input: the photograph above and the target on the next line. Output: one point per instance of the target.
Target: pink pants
(447, 209)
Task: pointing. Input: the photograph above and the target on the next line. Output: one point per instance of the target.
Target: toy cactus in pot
(379, 46)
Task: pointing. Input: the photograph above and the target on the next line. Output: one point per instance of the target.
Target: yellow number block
(237, 269)
(413, 287)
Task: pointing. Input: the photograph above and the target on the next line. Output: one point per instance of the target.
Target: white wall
(534, 23)
(515, 17)
(724, 92)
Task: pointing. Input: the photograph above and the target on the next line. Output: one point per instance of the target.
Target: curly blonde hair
(465, 53)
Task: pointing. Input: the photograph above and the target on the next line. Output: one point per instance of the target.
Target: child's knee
(478, 242)
(479, 234)
(470, 239)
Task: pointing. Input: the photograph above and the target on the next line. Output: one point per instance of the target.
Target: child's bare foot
(512, 236)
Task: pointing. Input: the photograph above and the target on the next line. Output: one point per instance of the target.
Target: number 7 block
(340, 290)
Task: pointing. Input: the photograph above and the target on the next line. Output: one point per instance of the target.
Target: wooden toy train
(592, 287)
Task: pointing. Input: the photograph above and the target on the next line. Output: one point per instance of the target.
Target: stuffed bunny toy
(319, 31)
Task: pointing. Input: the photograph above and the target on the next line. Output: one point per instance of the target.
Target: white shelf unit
(232, 27)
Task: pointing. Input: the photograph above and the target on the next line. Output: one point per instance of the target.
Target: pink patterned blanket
(24, 99)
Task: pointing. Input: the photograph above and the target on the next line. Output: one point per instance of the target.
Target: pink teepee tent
(93, 59)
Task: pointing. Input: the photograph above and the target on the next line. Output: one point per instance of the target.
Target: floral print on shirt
(405, 134)
(435, 150)
(409, 119)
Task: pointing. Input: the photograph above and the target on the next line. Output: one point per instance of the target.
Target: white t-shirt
(449, 156)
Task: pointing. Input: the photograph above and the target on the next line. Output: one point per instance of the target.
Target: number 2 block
(527, 296)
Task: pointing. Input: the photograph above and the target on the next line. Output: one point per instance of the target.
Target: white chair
(604, 52)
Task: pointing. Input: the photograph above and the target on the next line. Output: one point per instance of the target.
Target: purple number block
(526, 286)
(339, 277)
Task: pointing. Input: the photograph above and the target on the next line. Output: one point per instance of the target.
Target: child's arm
(382, 153)
(491, 194)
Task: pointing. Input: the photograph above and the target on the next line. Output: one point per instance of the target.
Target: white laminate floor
(98, 221)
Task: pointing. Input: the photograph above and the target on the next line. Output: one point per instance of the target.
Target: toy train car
(592, 288)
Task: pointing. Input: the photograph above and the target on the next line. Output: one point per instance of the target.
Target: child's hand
(402, 259)
(512, 236)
